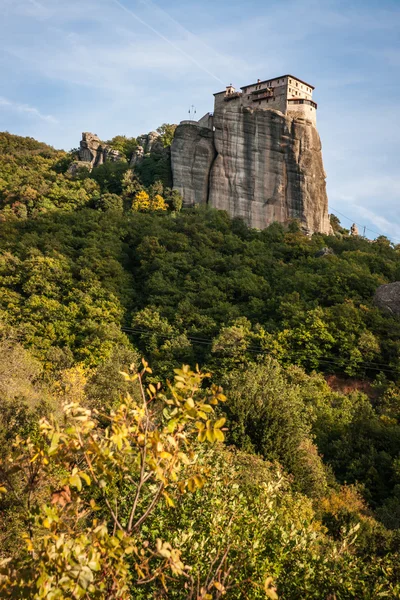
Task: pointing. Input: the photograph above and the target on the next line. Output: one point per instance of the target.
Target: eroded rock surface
(387, 297)
(147, 144)
(258, 164)
(94, 152)
(192, 156)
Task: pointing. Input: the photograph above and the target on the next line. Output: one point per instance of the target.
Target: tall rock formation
(148, 144)
(93, 153)
(192, 156)
(256, 163)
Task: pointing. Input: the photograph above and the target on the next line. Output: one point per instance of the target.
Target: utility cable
(360, 225)
(374, 366)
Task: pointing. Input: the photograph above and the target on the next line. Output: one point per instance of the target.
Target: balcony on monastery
(302, 101)
(262, 94)
(232, 95)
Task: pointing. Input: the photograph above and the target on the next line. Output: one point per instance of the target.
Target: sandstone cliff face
(258, 164)
(192, 156)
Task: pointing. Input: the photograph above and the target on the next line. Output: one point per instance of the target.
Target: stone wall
(207, 121)
(303, 90)
(304, 111)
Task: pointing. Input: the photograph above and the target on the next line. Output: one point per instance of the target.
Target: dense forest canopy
(101, 269)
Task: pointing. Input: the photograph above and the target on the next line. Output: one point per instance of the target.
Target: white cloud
(26, 109)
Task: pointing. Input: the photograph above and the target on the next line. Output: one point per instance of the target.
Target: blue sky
(126, 66)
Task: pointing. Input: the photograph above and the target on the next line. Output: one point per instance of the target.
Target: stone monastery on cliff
(258, 156)
(287, 94)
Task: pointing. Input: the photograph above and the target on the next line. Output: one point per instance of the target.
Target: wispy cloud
(26, 109)
(37, 5)
(175, 46)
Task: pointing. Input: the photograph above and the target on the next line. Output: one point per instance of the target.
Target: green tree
(167, 132)
(109, 176)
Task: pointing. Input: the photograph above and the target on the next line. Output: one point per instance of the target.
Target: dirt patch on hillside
(346, 385)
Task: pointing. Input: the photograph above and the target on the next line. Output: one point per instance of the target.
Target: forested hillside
(271, 470)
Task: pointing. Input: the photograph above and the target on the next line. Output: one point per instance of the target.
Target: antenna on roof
(192, 111)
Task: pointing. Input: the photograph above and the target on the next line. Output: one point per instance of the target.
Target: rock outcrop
(354, 229)
(93, 152)
(258, 164)
(387, 297)
(147, 144)
(325, 251)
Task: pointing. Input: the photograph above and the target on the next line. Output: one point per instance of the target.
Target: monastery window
(297, 85)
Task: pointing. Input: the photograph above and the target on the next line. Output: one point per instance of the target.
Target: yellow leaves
(150, 452)
(143, 203)
(152, 390)
(220, 423)
(86, 478)
(218, 435)
(189, 404)
(146, 368)
(3, 490)
(75, 480)
(126, 376)
(195, 483)
(210, 430)
(54, 443)
(93, 505)
(173, 556)
(158, 203)
(163, 548)
(184, 458)
(165, 455)
(270, 589)
(168, 500)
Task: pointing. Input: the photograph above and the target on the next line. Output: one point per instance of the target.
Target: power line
(360, 225)
(374, 366)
